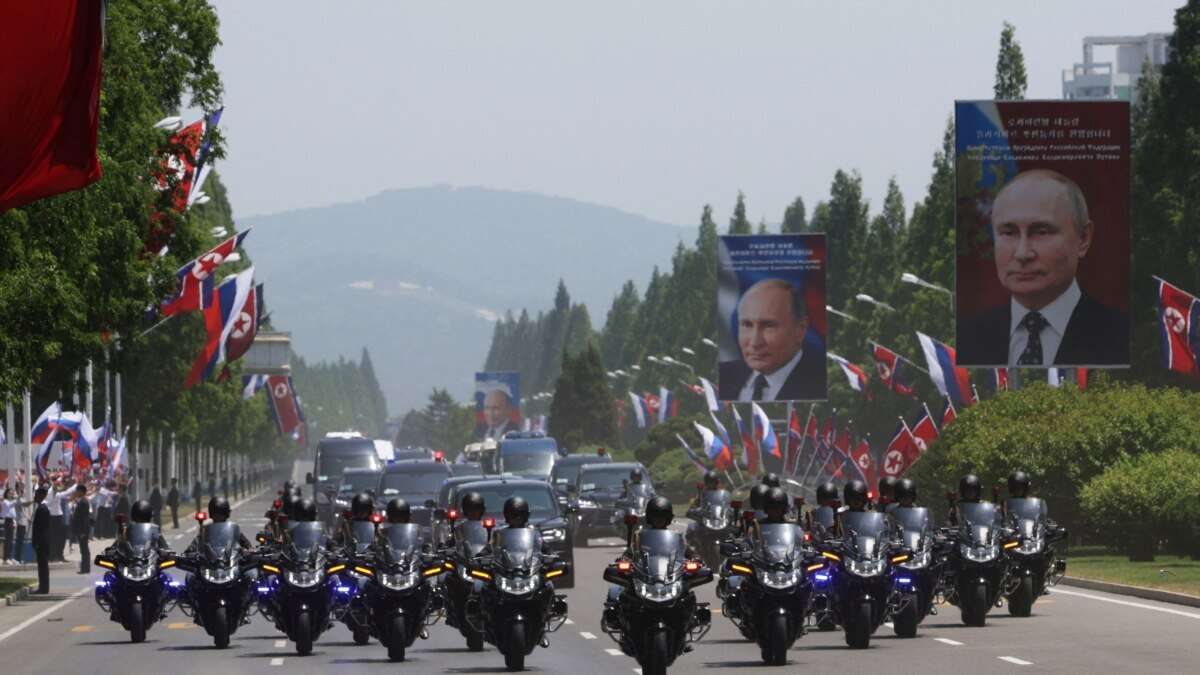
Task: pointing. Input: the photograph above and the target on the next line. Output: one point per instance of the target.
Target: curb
(17, 596)
(1135, 591)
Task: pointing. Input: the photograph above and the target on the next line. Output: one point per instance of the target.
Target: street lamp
(863, 297)
(910, 278)
(708, 342)
(687, 350)
(635, 367)
(831, 310)
(169, 123)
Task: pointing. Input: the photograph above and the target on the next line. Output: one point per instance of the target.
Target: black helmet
(826, 492)
(140, 512)
(757, 493)
(304, 510)
(969, 488)
(635, 476)
(398, 511)
(290, 505)
(711, 481)
(1018, 484)
(516, 512)
(285, 501)
(775, 503)
(287, 486)
(887, 489)
(218, 509)
(770, 479)
(659, 513)
(906, 490)
(362, 506)
(855, 495)
(472, 506)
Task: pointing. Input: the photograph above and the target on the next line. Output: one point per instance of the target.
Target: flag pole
(787, 438)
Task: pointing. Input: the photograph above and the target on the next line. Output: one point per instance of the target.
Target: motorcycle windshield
(363, 532)
(472, 537)
(403, 541)
(824, 516)
(219, 540)
(863, 533)
(518, 547)
(1026, 514)
(914, 522)
(661, 550)
(980, 520)
(641, 490)
(777, 542)
(717, 498)
(141, 538)
(307, 539)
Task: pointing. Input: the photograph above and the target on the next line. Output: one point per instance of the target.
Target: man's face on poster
(1038, 237)
(496, 408)
(769, 331)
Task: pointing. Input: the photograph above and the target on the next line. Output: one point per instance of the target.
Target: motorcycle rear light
(489, 523)
(376, 518)
(807, 536)
(277, 504)
(439, 456)
(691, 567)
(624, 566)
(201, 516)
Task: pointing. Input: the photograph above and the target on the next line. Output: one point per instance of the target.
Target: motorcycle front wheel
(905, 621)
(858, 627)
(514, 648)
(396, 637)
(774, 648)
(137, 622)
(655, 662)
(974, 605)
(1020, 603)
(302, 634)
(361, 636)
(220, 628)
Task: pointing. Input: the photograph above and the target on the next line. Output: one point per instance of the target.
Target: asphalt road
(1071, 632)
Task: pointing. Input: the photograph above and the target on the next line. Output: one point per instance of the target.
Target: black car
(448, 497)
(353, 482)
(566, 471)
(544, 513)
(336, 455)
(417, 482)
(597, 490)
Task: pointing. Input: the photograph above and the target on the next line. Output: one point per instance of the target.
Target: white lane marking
(586, 635)
(613, 652)
(889, 624)
(279, 644)
(638, 671)
(277, 662)
(948, 641)
(1013, 659)
(570, 622)
(42, 614)
(1139, 605)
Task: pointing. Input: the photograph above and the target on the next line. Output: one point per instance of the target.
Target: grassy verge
(10, 584)
(1167, 572)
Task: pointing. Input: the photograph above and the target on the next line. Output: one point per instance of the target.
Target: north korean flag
(901, 452)
(284, 405)
(1179, 319)
(1000, 379)
(195, 278)
(892, 370)
(950, 414)
(864, 463)
(924, 432)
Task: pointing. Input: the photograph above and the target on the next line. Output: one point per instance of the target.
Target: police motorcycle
(136, 591)
(863, 580)
(468, 539)
(219, 590)
(917, 579)
(515, 606)
(355, 539)
(298, 589)
(652, 613)
(633, 502)
(978, 571)
(772, 596)
(397, 600)
(1034, 564)
(713, 521)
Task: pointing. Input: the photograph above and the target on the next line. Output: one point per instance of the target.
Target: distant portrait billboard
(1042, 230)
(497, 404)
(771, 329)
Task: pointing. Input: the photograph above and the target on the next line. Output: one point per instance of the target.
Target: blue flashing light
(102, 584)
(821, 577)
(904, 581)
(263, 590)
(345, 590)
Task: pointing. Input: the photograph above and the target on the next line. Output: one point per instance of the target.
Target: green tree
(617, 327)
(1010, 66)
(738, 223)
(583, 410)
(794, 218)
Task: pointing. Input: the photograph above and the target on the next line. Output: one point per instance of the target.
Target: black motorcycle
(355, 613)
(860, 583)
(632, 503)
(219, 592)
(655, 616)
(297, 592)
(978, 571)
(916, 579)
(516, 606)
(397, 601)
(135, 591)
(469, 539)
(1035, 563)
(713, 521)
(770, 593)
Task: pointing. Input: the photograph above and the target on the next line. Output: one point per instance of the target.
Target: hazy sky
(652, 107)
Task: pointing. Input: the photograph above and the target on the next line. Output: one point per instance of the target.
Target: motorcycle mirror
(430, 504)
(201, 516)
(700, 487)
(452, 515)
(488, 524)
(376, 518)
(308, 478)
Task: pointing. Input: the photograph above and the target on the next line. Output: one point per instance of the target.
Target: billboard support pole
(787, 438)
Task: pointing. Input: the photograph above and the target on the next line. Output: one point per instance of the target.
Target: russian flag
(749, 449)
(715, 448)
(41, 428)
(639, 410)
(691, 455)
(666, 404)
(950, 380)
(118, 459)
(710, 395)
(856, 376)
(951, 414)
(768, 442)
(724, 433)
(220, 319)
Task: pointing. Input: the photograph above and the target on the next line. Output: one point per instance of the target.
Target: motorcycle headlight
(138, 572)
(557, 534)
(304, 578)
(218, 575)
(518, 585)
(919, 560)
(779, 579)
(980, 553)
(399, 582)
(714, 523)
(658, 592)
(864, 568)
(588, 504)
(1033, 544)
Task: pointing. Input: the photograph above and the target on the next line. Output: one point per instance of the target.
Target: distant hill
(418, 275)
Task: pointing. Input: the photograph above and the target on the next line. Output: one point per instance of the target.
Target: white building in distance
(1092, 80)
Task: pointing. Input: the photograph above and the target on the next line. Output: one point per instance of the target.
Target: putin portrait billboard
(771, 330)
(1042, 230)
(497, 404)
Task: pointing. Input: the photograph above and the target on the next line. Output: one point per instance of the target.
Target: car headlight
(779, 579)
(399, 582)
(981, 553)
(137, 572)
(588, 504)
(919, 560)
(864, 568)
(557, 534)
(658, 592)
(219, 575)
(518, 585)
(714, 523)
(304, 578)
(1032, 545)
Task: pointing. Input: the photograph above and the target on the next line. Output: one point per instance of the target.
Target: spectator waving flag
(1179, 319)
(768, 442)
(856, 376)
(195, 278)
(716, 449)
(950, 380)
(220, 318)
(893, 370)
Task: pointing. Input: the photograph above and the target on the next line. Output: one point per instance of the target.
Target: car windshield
(602, 479)
(354, 483)
(414, 486)
(334, 462)
(529, 464)
(565, 474)
(541, 500)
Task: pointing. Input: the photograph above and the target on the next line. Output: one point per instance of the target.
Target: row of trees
(533, 347)
(341, 395)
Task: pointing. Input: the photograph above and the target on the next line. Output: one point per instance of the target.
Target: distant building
(1093, 80)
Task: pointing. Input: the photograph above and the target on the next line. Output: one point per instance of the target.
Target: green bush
(1062, 437)
(1142, 501)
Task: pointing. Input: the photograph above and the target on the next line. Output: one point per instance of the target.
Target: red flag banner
(1179, 316)
(283, 402)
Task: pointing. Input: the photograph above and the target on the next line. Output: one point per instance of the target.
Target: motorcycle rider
(906, 493)
(218, 512)
(712, 483)
(304, 510)
(362, 507)
(775, 506)
(854, 494)
(887, 492)
(969, 492)
(771, 480)
(827, 495)
(398, 512)
(140, 512)
(635, 478)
